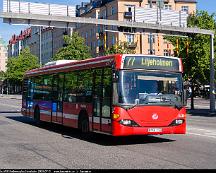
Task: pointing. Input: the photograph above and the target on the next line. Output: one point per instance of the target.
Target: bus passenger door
(57, 101)
(106, 101)
(102, 100)
(60, 99)
(97, 97)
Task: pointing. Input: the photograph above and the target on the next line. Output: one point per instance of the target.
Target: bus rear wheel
(84, 124)
(37, 115)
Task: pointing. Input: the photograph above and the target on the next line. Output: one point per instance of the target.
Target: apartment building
(98, 38)
(44, 42)
(3, 55)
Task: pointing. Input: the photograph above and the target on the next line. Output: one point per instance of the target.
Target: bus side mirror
(185, 94)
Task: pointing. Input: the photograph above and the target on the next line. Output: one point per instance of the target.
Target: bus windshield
(149, 88)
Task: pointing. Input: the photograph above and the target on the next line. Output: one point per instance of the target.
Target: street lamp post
(40, 46)
(212, 76)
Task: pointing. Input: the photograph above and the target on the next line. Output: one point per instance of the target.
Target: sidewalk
(202, 107)
(17, 97)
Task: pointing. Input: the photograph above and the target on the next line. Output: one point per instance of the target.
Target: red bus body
(147, 119)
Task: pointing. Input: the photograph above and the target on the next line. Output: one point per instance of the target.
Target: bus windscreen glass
(149, 88)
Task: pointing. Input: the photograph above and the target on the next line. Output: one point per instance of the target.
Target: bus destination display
(156, 63)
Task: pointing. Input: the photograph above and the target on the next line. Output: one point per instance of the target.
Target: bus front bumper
(121, 130)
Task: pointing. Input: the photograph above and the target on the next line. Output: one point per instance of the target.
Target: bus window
(38, 88)
(47, 87)
(87, 77)
(70, 87)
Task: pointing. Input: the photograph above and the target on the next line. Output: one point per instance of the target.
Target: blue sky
(6, 30)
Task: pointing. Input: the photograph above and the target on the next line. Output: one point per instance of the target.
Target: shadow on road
(100, 139)
(201, 112)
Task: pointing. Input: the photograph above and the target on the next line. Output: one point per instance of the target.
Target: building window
(154, 5)
(129, 8)
(130, 38)
(153, 52)
(113, 40)
(167, 7)
(185, 8)
(91, 32)
(99, 43)
(153, 38)
(167, 52)
(94, 44)
(113, 10)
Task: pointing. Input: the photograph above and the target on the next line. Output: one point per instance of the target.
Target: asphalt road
(24, 145)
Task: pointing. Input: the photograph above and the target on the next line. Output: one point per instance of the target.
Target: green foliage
(122, 48)
(17, 66)
(197, 60)
(75, 49)
(2, 75)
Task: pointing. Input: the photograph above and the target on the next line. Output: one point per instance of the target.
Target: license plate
(154, 130)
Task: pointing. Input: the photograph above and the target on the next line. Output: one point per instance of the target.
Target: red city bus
(118, 95)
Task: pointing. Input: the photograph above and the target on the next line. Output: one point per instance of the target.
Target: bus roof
(119, 59)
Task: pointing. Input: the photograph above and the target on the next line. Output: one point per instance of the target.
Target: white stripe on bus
(97, 120)
(75, 117)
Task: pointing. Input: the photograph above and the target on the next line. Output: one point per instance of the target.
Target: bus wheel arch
(83, 122)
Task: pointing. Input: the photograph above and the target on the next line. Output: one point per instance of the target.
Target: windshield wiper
(178, 106)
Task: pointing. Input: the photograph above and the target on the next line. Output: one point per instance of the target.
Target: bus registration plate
(154, 130)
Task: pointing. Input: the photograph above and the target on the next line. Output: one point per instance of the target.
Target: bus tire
(83, 124)
(37, 115)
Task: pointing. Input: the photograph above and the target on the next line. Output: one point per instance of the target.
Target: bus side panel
(72, 111)
(70, 114)
(45, 110)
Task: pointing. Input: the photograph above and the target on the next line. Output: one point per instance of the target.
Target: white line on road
(210, 133)
(197, 134)
(199, 129)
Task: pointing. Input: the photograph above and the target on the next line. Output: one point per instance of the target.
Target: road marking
(207, 130)
(210, 133)
(197, 134)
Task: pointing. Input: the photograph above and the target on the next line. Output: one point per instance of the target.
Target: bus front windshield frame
(137, 87)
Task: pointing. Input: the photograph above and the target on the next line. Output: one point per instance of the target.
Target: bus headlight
(177, 122)
(116, 116)
(130, 123)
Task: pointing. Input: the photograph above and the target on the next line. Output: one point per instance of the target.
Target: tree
(2, 76)
(75, 49)
(122, 48)
(195, 50)
(17, 66)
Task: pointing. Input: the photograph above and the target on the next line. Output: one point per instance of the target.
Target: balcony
(132, 45)
(128, 15)
(155, 1)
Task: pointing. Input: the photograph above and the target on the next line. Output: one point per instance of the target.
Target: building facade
(3, 55)
(44, 42)
(99, 38)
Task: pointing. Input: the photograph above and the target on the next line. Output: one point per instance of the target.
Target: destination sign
(151, 63)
